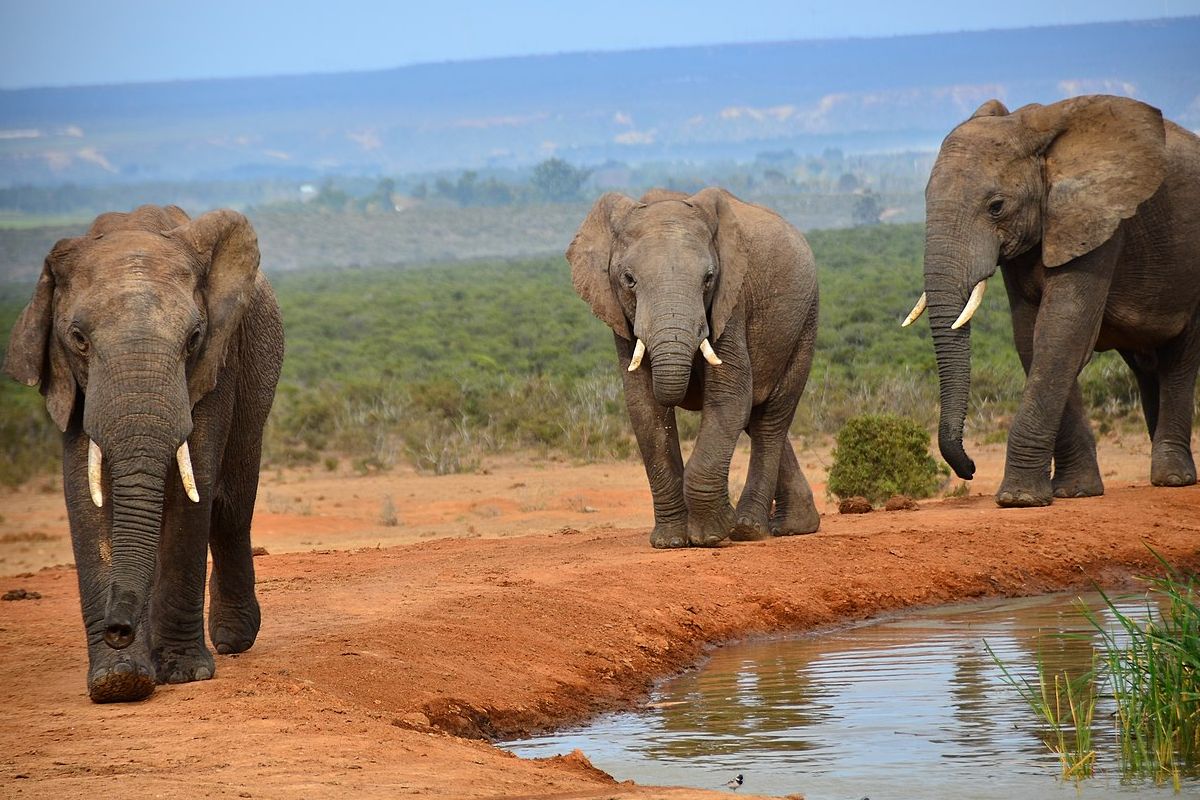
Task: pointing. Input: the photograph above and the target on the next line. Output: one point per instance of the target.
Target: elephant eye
(627, 280)
(193, 341)
(996, 207)
(709, 277)
(79, 340)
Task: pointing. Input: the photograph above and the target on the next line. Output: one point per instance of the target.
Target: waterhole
(911, 707)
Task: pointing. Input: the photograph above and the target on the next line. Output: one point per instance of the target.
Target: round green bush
(880, 455)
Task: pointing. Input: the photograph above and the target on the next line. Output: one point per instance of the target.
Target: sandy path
(377, 669)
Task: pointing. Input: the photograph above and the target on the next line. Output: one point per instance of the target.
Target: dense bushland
(441, 365)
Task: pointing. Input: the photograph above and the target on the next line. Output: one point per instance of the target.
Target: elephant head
(1058, 179)
(127, 329)
(665, 272)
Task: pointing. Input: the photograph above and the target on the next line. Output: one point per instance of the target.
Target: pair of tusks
(183, 458)
(968, 311)
(706, 349)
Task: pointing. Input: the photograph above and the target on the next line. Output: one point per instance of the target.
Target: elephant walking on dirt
(1091, 207)
(157, 343)
(719, 298)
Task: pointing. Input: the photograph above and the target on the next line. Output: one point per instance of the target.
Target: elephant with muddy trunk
(1091, 208)
(713, 307)
(157, 344)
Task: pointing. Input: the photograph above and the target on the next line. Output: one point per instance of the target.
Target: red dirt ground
(380, 671)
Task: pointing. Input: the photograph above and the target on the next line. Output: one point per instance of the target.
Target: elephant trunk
(952, 271)
(137, 420)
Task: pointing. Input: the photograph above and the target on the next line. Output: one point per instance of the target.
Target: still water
(912, 707)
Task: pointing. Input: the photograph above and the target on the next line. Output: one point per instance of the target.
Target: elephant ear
(731, 219)
(590, 253)
(227, 252)
(992, 108)
(35, 356)
(1103, 157)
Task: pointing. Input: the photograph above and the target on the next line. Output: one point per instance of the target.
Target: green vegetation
(440, 365)
(1148, 672)
(1066, 705)
(881, 455)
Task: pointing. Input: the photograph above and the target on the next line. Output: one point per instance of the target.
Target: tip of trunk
(120, 621)
(957, 458)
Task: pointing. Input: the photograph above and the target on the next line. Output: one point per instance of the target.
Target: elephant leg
(1064, 335)
(177, 605)
(754, 506)
(1146, 372)
(233, 612)
(726, 413)
(1076, 471)
(795, 511)
(1171, 462)
(770, 448)
(658, 441)
(113, 675)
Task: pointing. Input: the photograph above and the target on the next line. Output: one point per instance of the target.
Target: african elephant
(157, 344)
(673, 275)
(1091, 208)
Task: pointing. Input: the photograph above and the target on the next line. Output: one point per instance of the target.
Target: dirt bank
(377, 668)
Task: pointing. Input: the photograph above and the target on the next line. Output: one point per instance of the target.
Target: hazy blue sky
(57, 42)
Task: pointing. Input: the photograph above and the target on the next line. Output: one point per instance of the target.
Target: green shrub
(878, 456)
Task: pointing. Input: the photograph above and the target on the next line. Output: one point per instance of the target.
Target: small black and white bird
(734, 783)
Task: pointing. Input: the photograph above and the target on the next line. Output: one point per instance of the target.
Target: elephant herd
(157, 344)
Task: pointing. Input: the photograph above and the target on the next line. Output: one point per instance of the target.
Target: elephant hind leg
(795, 511)
(1171, 461)
(1076, 471)
(774, 473)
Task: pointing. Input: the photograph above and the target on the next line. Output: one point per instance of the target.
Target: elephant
(719, 296)
(1091, 209)
(157, 343)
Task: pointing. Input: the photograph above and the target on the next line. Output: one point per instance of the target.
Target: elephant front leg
(177, 607)
(658, 440)
(726, 412)
(114, 676)
(1076, 471)
(1064, 335)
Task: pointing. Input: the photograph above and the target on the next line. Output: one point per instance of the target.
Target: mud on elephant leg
(118, 676)
(795, 511)
(1076, 471)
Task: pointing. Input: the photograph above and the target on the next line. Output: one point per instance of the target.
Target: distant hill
(698, 103)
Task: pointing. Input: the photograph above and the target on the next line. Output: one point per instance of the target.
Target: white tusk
(184, 458)
(639, 350)
(710, 355)
(916, 313)
(95, 457)
(972, 305)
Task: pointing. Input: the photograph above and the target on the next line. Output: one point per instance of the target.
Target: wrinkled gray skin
(149, 330)
(671, 270)
(1091, 207)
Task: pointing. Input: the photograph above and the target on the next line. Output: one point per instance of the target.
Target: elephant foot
(183, 663)
(1025, 488)
(796, 523)
(1172, 468)
(1078, 486)
(233, 627)
(669, 535)
(122, 679)
(749, 529)
(709, 529)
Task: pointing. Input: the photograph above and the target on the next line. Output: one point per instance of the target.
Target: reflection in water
(909, 708)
